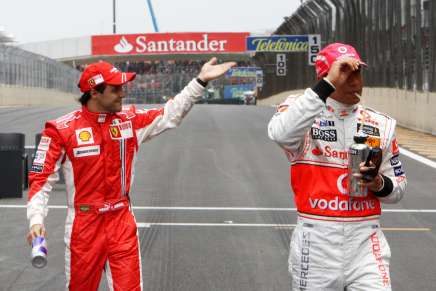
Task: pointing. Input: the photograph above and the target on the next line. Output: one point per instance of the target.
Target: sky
(41, 20)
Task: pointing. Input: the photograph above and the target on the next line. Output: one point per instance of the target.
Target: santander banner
(169, 43)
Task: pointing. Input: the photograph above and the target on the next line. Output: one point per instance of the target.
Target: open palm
(211, 71)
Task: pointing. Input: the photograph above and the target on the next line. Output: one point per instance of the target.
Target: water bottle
(39, 252)
(358, 152)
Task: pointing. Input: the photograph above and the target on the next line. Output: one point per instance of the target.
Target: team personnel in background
(338, 243)
(97, 147)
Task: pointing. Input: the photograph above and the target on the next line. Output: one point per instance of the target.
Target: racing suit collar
(340, 110)
(95, 116)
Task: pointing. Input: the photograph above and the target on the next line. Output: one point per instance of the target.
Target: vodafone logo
(340, 184)
(342, 49)
(344, 205)
(123, 46)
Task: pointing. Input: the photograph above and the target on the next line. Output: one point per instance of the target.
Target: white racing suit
(338, 243)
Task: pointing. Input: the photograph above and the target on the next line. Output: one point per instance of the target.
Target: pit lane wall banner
(286, 43)
(169, 43)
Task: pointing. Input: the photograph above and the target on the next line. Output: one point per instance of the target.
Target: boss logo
(324, 134)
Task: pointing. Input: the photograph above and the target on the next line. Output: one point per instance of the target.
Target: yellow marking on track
(415, 229)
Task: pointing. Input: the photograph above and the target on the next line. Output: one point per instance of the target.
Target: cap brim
(121, 78)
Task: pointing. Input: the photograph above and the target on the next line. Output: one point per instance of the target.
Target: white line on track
(418, 158)
(225, 208)
(277, 226)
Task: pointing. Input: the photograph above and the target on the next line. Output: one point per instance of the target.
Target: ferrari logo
(115, 132)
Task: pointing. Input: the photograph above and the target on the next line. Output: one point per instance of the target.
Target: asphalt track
(214, 209)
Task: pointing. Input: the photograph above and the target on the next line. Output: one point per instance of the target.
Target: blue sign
(237, 91)
(242, 72)
(278, 43)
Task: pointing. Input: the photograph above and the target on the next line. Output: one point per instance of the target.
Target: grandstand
(164, 63)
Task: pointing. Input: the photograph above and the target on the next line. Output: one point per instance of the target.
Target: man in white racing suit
(338, 243)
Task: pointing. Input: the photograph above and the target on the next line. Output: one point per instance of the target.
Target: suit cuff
(323, 89)
(387, 188)
(201, 82)
(36, 219)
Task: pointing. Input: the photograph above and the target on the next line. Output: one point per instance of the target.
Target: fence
(397, 38)
(24, 69)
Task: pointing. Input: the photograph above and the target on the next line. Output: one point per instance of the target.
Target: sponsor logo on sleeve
(395, 148)
(44, 143)
(395, 161)
(37, 168)
(368, 129)
(324, 134)
(324, 123)
(84, 136)
(121, 130)
(39, 157)
(86, 151)
(398, 171)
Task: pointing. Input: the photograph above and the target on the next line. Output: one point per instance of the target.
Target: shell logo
(85, 136)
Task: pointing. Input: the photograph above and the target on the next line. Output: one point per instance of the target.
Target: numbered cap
(330, 54)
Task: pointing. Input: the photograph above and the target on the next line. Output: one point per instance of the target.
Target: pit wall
(20, 96)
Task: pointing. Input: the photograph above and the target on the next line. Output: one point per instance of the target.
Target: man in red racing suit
(97, 147)
(338, 243)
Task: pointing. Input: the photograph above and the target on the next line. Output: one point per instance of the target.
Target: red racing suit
(337, 243)
(97, 152)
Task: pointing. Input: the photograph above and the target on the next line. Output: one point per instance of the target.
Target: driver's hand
(35, 230)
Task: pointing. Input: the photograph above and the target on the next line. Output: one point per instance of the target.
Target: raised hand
(341, 69)
(211, 71)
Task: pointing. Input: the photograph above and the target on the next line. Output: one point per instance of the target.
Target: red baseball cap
(328, 55)
(103, 72)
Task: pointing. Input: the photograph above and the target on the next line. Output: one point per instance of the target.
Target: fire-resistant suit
(97, 152)
(338, 243)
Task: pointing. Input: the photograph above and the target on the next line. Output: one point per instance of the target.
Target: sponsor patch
(395, 148)
(101, 118)
(84, 136)
(94, 81)
(44, 143)
(342, 205)
(324, 123)
(37, 168)
(122, 130)
(39, 157)
(398, 171)
(86, 151)
(328, 152)
(324, 134)
(368, 129)
(394, 161)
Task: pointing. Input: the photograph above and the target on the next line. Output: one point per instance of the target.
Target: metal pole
(114, 21)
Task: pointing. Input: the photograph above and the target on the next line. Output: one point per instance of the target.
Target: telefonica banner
(169, 43)
(278, 43)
